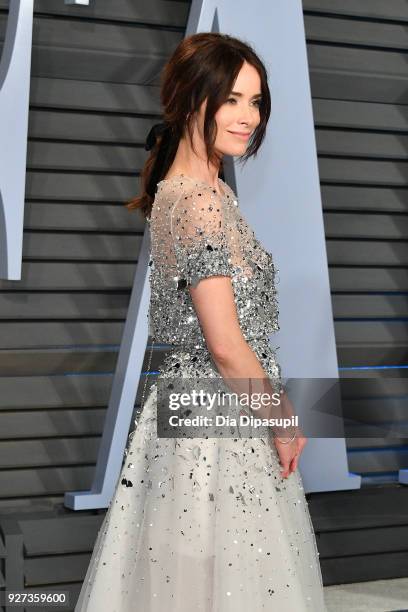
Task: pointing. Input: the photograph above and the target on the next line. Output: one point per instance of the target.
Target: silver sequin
(195, 234)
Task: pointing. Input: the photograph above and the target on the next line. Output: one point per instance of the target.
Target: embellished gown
(204, 524)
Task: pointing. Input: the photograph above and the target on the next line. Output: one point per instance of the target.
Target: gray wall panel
(359, 33)
(44, 453)
(49, 423)
(30, 483)
(82, 217)
(362, 144)
(91, 276)
(368, 306)
(74, 246)
(93, 96)
(366, 252)
(85, 157)
(363, 172)
(368, 226)
(77, 127)
(361, 197)
(51, 306)
(360, 115)
(60, 333)
(359, 279)
(62, 186)
(375, 9)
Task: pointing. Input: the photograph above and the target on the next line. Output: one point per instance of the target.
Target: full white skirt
(203, 525)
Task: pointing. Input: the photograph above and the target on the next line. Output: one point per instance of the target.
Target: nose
(246, 116)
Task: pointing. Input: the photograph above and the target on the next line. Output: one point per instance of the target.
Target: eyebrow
(239, 94)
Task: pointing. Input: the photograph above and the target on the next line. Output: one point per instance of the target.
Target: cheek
(224, 119)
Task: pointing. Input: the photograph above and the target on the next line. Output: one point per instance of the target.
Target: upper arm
(203, 252)
(214, 303)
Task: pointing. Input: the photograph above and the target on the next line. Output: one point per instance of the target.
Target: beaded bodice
(196, 233)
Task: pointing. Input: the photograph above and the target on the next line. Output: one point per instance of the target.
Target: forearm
(243, 373)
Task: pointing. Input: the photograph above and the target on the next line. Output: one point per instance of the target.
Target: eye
(256, 102)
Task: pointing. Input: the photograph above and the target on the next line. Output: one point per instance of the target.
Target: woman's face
(238, 117)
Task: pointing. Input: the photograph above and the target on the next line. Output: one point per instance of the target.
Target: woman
(208, 523)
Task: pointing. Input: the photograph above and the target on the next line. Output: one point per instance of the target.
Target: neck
(195, 165)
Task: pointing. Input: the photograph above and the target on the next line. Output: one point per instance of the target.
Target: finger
(295, 459)
(294, 463)
(285, 469)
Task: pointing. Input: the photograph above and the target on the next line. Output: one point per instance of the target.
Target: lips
(243, 135)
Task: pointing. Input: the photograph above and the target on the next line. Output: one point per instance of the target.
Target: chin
(235, 151)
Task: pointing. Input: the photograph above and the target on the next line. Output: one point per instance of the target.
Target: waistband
(202, 346)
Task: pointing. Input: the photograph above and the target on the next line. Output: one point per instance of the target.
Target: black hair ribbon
(156, 130)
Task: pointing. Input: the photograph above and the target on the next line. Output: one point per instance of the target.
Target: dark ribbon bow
(156, 130)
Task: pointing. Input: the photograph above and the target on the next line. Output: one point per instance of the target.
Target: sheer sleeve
(200, 235)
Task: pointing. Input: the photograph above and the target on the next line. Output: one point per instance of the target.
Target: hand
(289, 453)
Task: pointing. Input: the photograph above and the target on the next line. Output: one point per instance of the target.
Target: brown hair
(204, 65)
